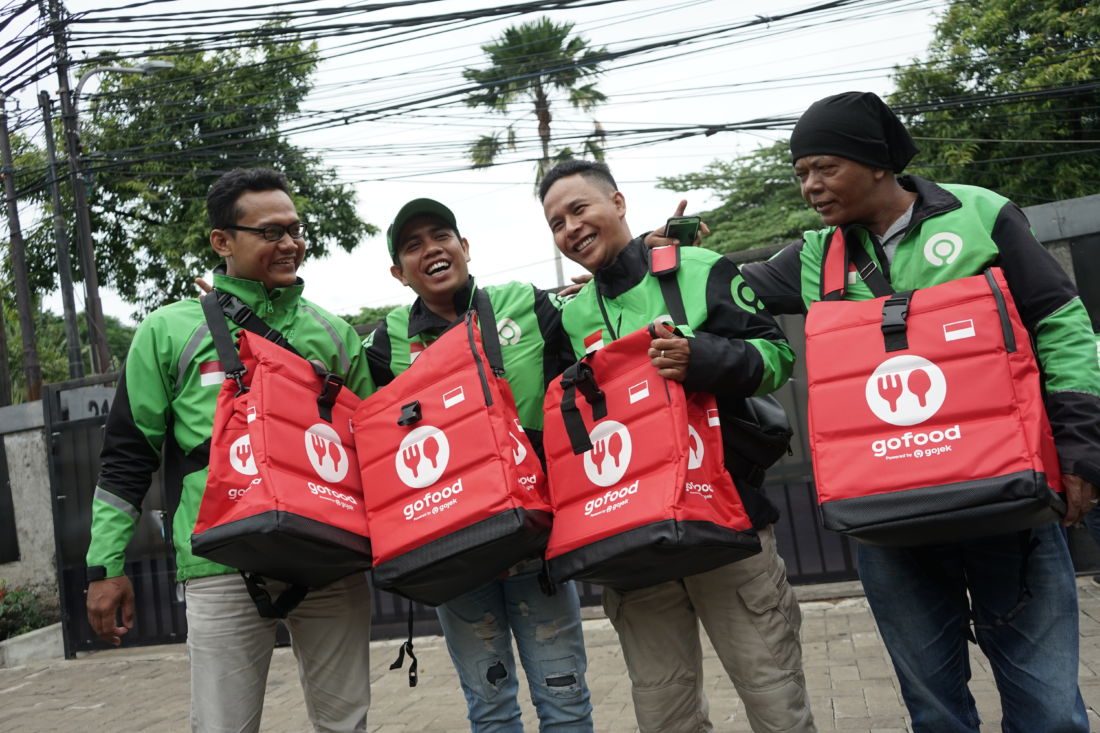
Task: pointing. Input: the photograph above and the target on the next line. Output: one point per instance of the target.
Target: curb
(33, 646)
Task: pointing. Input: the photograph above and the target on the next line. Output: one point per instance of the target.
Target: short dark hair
(593, 170)
(221, 200)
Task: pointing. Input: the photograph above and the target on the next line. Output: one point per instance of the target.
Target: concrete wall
(26, 448)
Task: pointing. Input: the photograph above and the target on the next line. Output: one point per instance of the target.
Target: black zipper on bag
(1002, 311)
(477, 359)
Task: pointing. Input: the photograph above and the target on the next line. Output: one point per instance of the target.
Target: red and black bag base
(449, 566)
(667, 550)
(297, 549)
(948, 512)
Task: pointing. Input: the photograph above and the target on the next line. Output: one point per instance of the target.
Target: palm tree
(526, 63)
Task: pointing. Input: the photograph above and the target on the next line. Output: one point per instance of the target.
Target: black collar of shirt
(422, 318)
(625, 271)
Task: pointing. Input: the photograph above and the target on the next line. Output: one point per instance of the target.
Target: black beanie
(854, 125)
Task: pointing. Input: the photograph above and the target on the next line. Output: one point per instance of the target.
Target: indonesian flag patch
(211, 373)
(593, 341)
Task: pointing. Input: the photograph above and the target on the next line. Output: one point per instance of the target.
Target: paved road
(850, 679)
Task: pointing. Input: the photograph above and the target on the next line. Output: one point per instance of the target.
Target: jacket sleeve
(132, 444)
(1053, 313)
(778, 281)
(377, 344)
(739, 350)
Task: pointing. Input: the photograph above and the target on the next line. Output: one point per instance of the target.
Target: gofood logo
(606, 462)
(241, 458)
(326, 453)
(906, 390)
(422, 457)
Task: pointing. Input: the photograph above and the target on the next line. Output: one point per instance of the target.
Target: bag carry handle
(281, 607)
(580, 377)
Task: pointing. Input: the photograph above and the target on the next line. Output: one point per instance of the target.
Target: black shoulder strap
(223, 341)
(674, 299)
(834, 266)
(237, 311)
(490, 339)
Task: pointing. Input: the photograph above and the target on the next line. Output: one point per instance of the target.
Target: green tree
(154, 145)
(761, 203)
(528, 63)
(368, 316)
(1034, 65)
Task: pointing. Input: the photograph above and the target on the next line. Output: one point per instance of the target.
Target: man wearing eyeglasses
(165, 405)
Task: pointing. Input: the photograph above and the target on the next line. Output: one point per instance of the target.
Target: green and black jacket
(957, 231)
(737, 349)
(531, 342)
(164, 407)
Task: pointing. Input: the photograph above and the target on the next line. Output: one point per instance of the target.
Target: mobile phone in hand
(683, 228)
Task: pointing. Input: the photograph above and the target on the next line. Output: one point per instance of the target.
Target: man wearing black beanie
(1016, 590)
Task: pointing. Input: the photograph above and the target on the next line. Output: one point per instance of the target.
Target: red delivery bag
(637, 480)
(283, 498)
(455, 494)
(926, 414)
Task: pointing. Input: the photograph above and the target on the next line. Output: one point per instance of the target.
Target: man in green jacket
(430, 256)
(164, 407)
(733, 350)
(1017, 590)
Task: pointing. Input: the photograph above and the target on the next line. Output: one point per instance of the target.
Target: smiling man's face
(587, 219)
(431, 258)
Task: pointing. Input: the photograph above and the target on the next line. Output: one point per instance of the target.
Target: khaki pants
(751, 616)
(230, 647)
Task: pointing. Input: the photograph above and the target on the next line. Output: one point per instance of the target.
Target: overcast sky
(764, 71)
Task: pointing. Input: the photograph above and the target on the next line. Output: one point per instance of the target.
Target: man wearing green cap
(1013, 593)
(430, 256)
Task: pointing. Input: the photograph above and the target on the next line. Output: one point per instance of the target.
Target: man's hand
(105, 598)
(203, 285)
(657, 237)
(671, 355)
(1081, 496)
(578, 283)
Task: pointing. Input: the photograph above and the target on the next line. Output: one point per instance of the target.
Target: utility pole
(61, 244)
(31, 367)
(5, 374)
(97, 331)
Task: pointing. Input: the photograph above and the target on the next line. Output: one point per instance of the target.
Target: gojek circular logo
(240, 456)
(326, 453)
(943, 248)
(606, 462)
(422, 457)
(906, 390)
(508, 331)
(695, 449)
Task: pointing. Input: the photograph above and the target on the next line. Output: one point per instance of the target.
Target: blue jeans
(919, 599)
(479, 627)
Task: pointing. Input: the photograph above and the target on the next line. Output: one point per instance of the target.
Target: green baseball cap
(416, 207)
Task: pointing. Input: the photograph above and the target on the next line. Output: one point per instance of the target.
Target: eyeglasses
(275, 232)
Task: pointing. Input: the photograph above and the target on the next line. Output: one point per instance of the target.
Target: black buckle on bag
(238, 377)
(331, 384)
(410, 414)
(895, 310)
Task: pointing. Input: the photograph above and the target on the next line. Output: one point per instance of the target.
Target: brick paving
(850, 679)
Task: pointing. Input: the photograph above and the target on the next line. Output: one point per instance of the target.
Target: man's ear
(465, 248)
(219, 242)
(396, 272)
(619, 201)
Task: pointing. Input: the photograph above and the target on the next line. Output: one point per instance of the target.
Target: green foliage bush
(22, 610)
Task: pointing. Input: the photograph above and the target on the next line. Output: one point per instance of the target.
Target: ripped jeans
(479, 627)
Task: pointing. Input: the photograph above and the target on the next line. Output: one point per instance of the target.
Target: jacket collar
(625, 271)
(931, 199)
(422, 318)
(262, 301)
